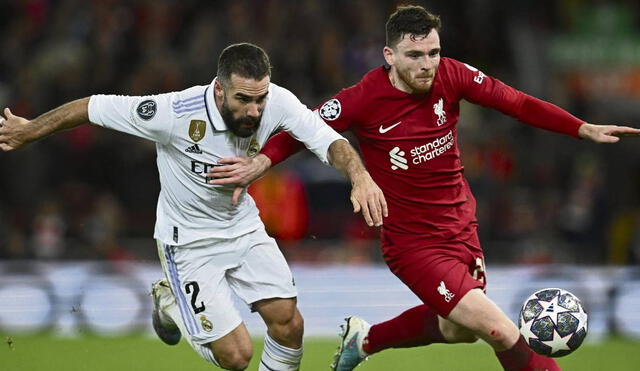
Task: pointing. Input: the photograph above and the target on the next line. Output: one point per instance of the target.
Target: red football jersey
(409, 143)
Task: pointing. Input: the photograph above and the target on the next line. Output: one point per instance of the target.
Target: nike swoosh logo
(384, 130)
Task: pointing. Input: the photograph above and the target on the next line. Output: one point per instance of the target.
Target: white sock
(276, 357)
(169, 308)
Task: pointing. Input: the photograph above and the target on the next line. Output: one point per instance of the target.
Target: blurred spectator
(583, 54)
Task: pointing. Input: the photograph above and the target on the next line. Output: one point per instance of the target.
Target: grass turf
(46, 353)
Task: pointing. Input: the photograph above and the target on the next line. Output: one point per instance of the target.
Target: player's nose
(253, 110)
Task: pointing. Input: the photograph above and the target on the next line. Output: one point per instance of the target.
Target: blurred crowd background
(542, 197)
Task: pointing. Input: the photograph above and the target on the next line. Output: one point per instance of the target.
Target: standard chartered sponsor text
(435, 148)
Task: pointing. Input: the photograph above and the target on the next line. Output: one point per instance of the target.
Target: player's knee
(289, 327)
(296, 325)
(236, 360)
(498, 335)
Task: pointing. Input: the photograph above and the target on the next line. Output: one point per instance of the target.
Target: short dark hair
(245, 60)
(410, 19)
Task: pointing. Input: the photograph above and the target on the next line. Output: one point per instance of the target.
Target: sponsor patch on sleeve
(147, 109)
(331, 110)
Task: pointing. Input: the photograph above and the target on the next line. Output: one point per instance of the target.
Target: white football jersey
(190, 138)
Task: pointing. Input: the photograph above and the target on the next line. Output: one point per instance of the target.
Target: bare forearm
(345, 159)
(65, 117)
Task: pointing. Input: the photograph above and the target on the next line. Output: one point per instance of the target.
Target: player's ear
(218, 89)
(388, 55)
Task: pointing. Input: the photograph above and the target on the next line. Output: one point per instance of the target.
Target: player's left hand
(368, 197)
(606, 133)
(240, 171)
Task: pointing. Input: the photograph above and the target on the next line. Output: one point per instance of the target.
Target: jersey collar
(212, 109)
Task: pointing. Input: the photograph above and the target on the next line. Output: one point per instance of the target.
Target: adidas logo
(194, 149)
(550, 309)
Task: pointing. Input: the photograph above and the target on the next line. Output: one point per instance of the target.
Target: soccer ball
(553, 322)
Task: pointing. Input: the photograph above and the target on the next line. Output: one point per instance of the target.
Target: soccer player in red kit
(404, 117)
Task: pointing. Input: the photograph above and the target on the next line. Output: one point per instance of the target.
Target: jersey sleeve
(476, 87)
(305, 125)
(148, 117)
(335, 114)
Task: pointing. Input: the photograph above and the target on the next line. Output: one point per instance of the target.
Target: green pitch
(45, 353)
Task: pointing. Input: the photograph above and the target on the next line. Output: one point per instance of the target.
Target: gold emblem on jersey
(197, 130)
(206, 324)
(254, 148)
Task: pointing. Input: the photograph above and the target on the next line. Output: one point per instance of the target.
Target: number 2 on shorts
(194, 296)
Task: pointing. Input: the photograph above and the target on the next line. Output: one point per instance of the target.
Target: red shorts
(439, 273)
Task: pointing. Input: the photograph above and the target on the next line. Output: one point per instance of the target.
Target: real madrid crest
(197, 130)
(206, 324)
(254, 147)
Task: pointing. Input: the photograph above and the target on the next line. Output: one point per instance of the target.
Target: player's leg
(285, 328)
(232, 351)
(418, 326)
(476, 312)
(264, 281)
(197, 299)
(429, 272)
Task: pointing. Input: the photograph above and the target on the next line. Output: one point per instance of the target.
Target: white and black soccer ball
(553, 322)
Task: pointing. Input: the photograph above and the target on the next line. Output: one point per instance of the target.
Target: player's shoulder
(281, 97)
(188, 100)
(454, 65)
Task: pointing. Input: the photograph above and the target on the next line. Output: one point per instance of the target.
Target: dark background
(542, 197)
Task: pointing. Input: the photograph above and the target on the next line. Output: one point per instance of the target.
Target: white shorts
(203, 274)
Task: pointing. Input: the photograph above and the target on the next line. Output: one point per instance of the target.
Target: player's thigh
(263, 272)
(202, 293)
(479, 314)
(439, 276)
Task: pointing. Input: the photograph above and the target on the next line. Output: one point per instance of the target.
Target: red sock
(416, 326)
(521, 358)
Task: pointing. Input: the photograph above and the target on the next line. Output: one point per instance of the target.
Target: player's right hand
(367, 197)
(240, 171)
(13, 131)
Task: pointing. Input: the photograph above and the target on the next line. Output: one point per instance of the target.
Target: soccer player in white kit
(208, 246)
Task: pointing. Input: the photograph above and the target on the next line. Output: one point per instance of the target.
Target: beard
(414, 84)
(242, 127)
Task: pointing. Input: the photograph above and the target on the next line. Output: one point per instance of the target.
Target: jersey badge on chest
(197, 130)
(438, 109)
(254, 147)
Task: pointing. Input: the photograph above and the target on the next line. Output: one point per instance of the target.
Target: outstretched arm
(16, 131)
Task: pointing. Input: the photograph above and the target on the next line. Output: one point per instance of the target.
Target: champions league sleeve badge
(331, 110)
(147, 109)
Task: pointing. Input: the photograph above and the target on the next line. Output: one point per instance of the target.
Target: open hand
(606, 133)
